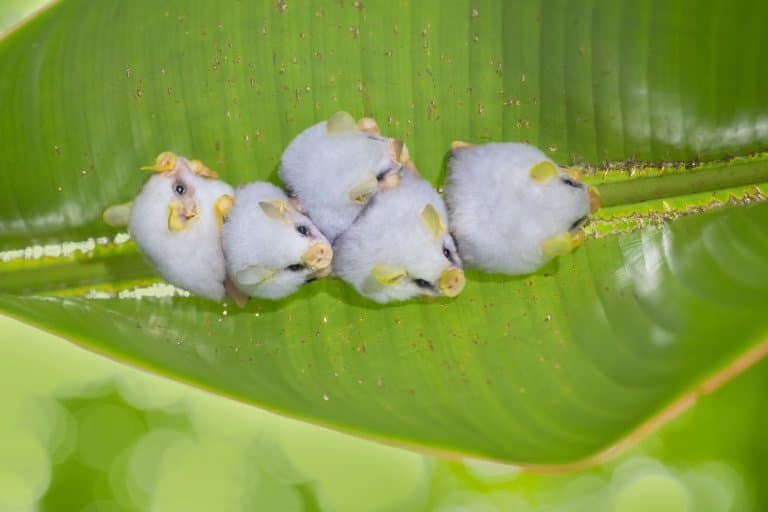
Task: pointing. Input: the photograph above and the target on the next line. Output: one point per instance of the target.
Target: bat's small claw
(390, 180)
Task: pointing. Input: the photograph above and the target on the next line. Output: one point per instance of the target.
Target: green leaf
(546, 369)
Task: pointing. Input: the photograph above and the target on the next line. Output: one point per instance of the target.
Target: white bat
(271, 248)
(512, 209)
(176, 222)
(400, 247)
(334, 167)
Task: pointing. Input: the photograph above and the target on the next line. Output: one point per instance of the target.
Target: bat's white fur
(253, 239)
(191, 258)
(391, 231)
(321, 168)
(499, 214)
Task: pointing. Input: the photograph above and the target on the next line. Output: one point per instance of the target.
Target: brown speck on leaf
(281, 5)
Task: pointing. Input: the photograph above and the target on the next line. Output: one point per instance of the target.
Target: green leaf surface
(543, 369)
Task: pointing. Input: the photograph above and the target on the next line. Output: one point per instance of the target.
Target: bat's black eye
(447, 253)
(304, 230)
(578, 222)
(422, 283)
(179, 189)
(571, 182)
(296, 267)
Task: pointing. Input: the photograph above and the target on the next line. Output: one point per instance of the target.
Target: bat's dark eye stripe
(571, 182)
(422, 283)
(296, 267)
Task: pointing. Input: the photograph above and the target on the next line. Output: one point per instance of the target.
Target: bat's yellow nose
(318, 256)
(180, 217)
(451, 282)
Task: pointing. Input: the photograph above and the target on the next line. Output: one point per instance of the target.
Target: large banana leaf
(561, 366)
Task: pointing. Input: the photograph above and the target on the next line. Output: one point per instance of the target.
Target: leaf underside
(542, 369)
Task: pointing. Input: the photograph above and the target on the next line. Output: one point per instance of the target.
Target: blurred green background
(83, 433)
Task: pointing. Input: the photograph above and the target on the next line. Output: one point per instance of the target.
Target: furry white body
(322, 169)
(391, 232)
(191, 258)
(260, 249)
(500, 215)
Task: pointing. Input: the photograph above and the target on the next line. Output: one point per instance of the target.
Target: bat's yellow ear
(543, 171)
(200, 169)
(341, 122)
(562, 244)
(362, 191)
(398, 151)
(164, 162)
(222, 207)
(387, 275)
(433, 221)
(254, 275)
(274, 209)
